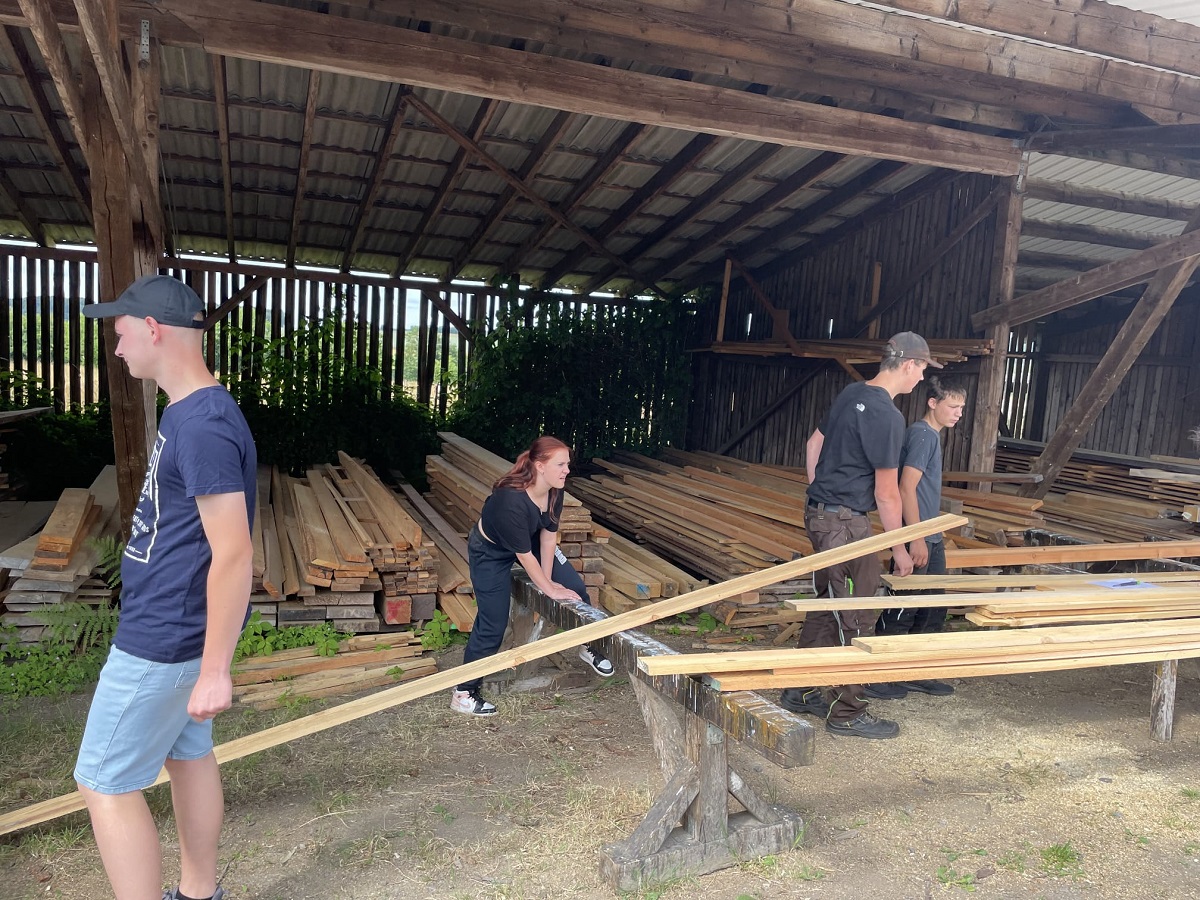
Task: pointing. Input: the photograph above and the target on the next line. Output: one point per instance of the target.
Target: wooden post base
(689, 830)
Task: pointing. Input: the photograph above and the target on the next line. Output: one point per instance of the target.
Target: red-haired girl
(519, 524)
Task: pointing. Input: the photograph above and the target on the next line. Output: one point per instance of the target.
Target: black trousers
(491, 577)
(926, 620)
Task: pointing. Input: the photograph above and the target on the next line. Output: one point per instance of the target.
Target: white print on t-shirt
(860, 407)
(142, 534)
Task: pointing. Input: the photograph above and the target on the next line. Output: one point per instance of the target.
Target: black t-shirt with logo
(864, 431)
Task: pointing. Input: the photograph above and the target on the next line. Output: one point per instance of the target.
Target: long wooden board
(1070, 553)
(1039, 580)
(565, 640)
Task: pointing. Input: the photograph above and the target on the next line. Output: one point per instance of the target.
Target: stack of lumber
(460, 480)
(361, 662)
(454, 597)
(57, 565)
(945, 655)
(339, 546)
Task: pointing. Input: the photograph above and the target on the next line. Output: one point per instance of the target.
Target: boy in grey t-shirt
(921, 494)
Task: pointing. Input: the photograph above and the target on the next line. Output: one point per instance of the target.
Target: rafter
(537, 154)
(386, 145)
(216, 67)
(1089, 234)
(24, 214)
(802, 178)
(46, 34)
(584, 186)
(496, 166)
(747, 168)
(477, 129)
(310, 115)
(13, 45)
(1153, 137)
(654, 186)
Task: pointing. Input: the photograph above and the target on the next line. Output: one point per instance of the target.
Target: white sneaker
(598, 661)
(471, 703)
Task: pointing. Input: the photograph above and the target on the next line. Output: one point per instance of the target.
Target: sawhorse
(689, 829)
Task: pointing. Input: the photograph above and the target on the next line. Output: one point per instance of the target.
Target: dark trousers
(926, 620)
(856, 578)
(491, 578)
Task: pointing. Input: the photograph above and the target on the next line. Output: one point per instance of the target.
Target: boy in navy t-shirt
(185, 594)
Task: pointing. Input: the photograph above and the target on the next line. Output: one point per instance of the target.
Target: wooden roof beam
(252, 30)
(492, 163)
(704, 201)
(1097, 282)
(504, 203)
(46, 34)
(12, 44)
(1153, 137)
(216, 67)
(98, 31)
(310, 115)
(1037, 260)
(654, 187)
(786, 42)
(584, 186)
(1110, 201)
(804, 177)
(386, 145)
(24, 214)
(479, 125)
(1102, 28)
(1088, 234)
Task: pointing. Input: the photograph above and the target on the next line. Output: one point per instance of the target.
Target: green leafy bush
(67, 659)
(303, 403)
(612, 378)
(57, 450)
(440, 633)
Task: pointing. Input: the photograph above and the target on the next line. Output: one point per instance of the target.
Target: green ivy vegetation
(261, 638)
(613, 378)
(303, 403)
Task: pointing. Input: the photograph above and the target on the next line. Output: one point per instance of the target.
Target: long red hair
(524, 470)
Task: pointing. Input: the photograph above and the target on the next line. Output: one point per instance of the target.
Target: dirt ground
(1038, 786)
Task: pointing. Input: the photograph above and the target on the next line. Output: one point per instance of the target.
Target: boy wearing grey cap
(852, 461)
(185, 593)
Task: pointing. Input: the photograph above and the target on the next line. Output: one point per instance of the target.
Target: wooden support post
(724, 299)
(989, 395)
(1118, 359)
(1162, 700)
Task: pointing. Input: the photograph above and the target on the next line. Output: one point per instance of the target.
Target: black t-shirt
(864, 431)
(511, 520)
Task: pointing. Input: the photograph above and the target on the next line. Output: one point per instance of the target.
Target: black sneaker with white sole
(471, 703)
(599, 663)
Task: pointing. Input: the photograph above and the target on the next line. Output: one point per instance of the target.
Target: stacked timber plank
(340, 546)
(57, 565)
(361, 662)
(849, 351)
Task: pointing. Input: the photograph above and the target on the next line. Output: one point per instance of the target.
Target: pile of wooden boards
(849, 350)
(57, 565)
(363, 661)
(946, 655)
(340, 546)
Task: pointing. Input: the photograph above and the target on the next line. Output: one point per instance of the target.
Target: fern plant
(111, 550)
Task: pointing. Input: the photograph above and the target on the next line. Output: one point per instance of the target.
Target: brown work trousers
(856, 578)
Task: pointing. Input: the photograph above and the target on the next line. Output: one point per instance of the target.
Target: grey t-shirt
(923, 450)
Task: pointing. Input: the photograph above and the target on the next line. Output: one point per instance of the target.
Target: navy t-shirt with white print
(203, 447)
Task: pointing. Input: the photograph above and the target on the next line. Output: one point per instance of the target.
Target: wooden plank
(348, 712)
(1064, 553)
(399, 524)
(62, 531)
(1030, 580)
(345, 538)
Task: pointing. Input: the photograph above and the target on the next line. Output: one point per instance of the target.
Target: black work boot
(929, 686)
(866, 726)
(886, 690)
(808, 701)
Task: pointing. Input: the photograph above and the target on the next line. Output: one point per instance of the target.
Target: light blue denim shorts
(139, 719)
